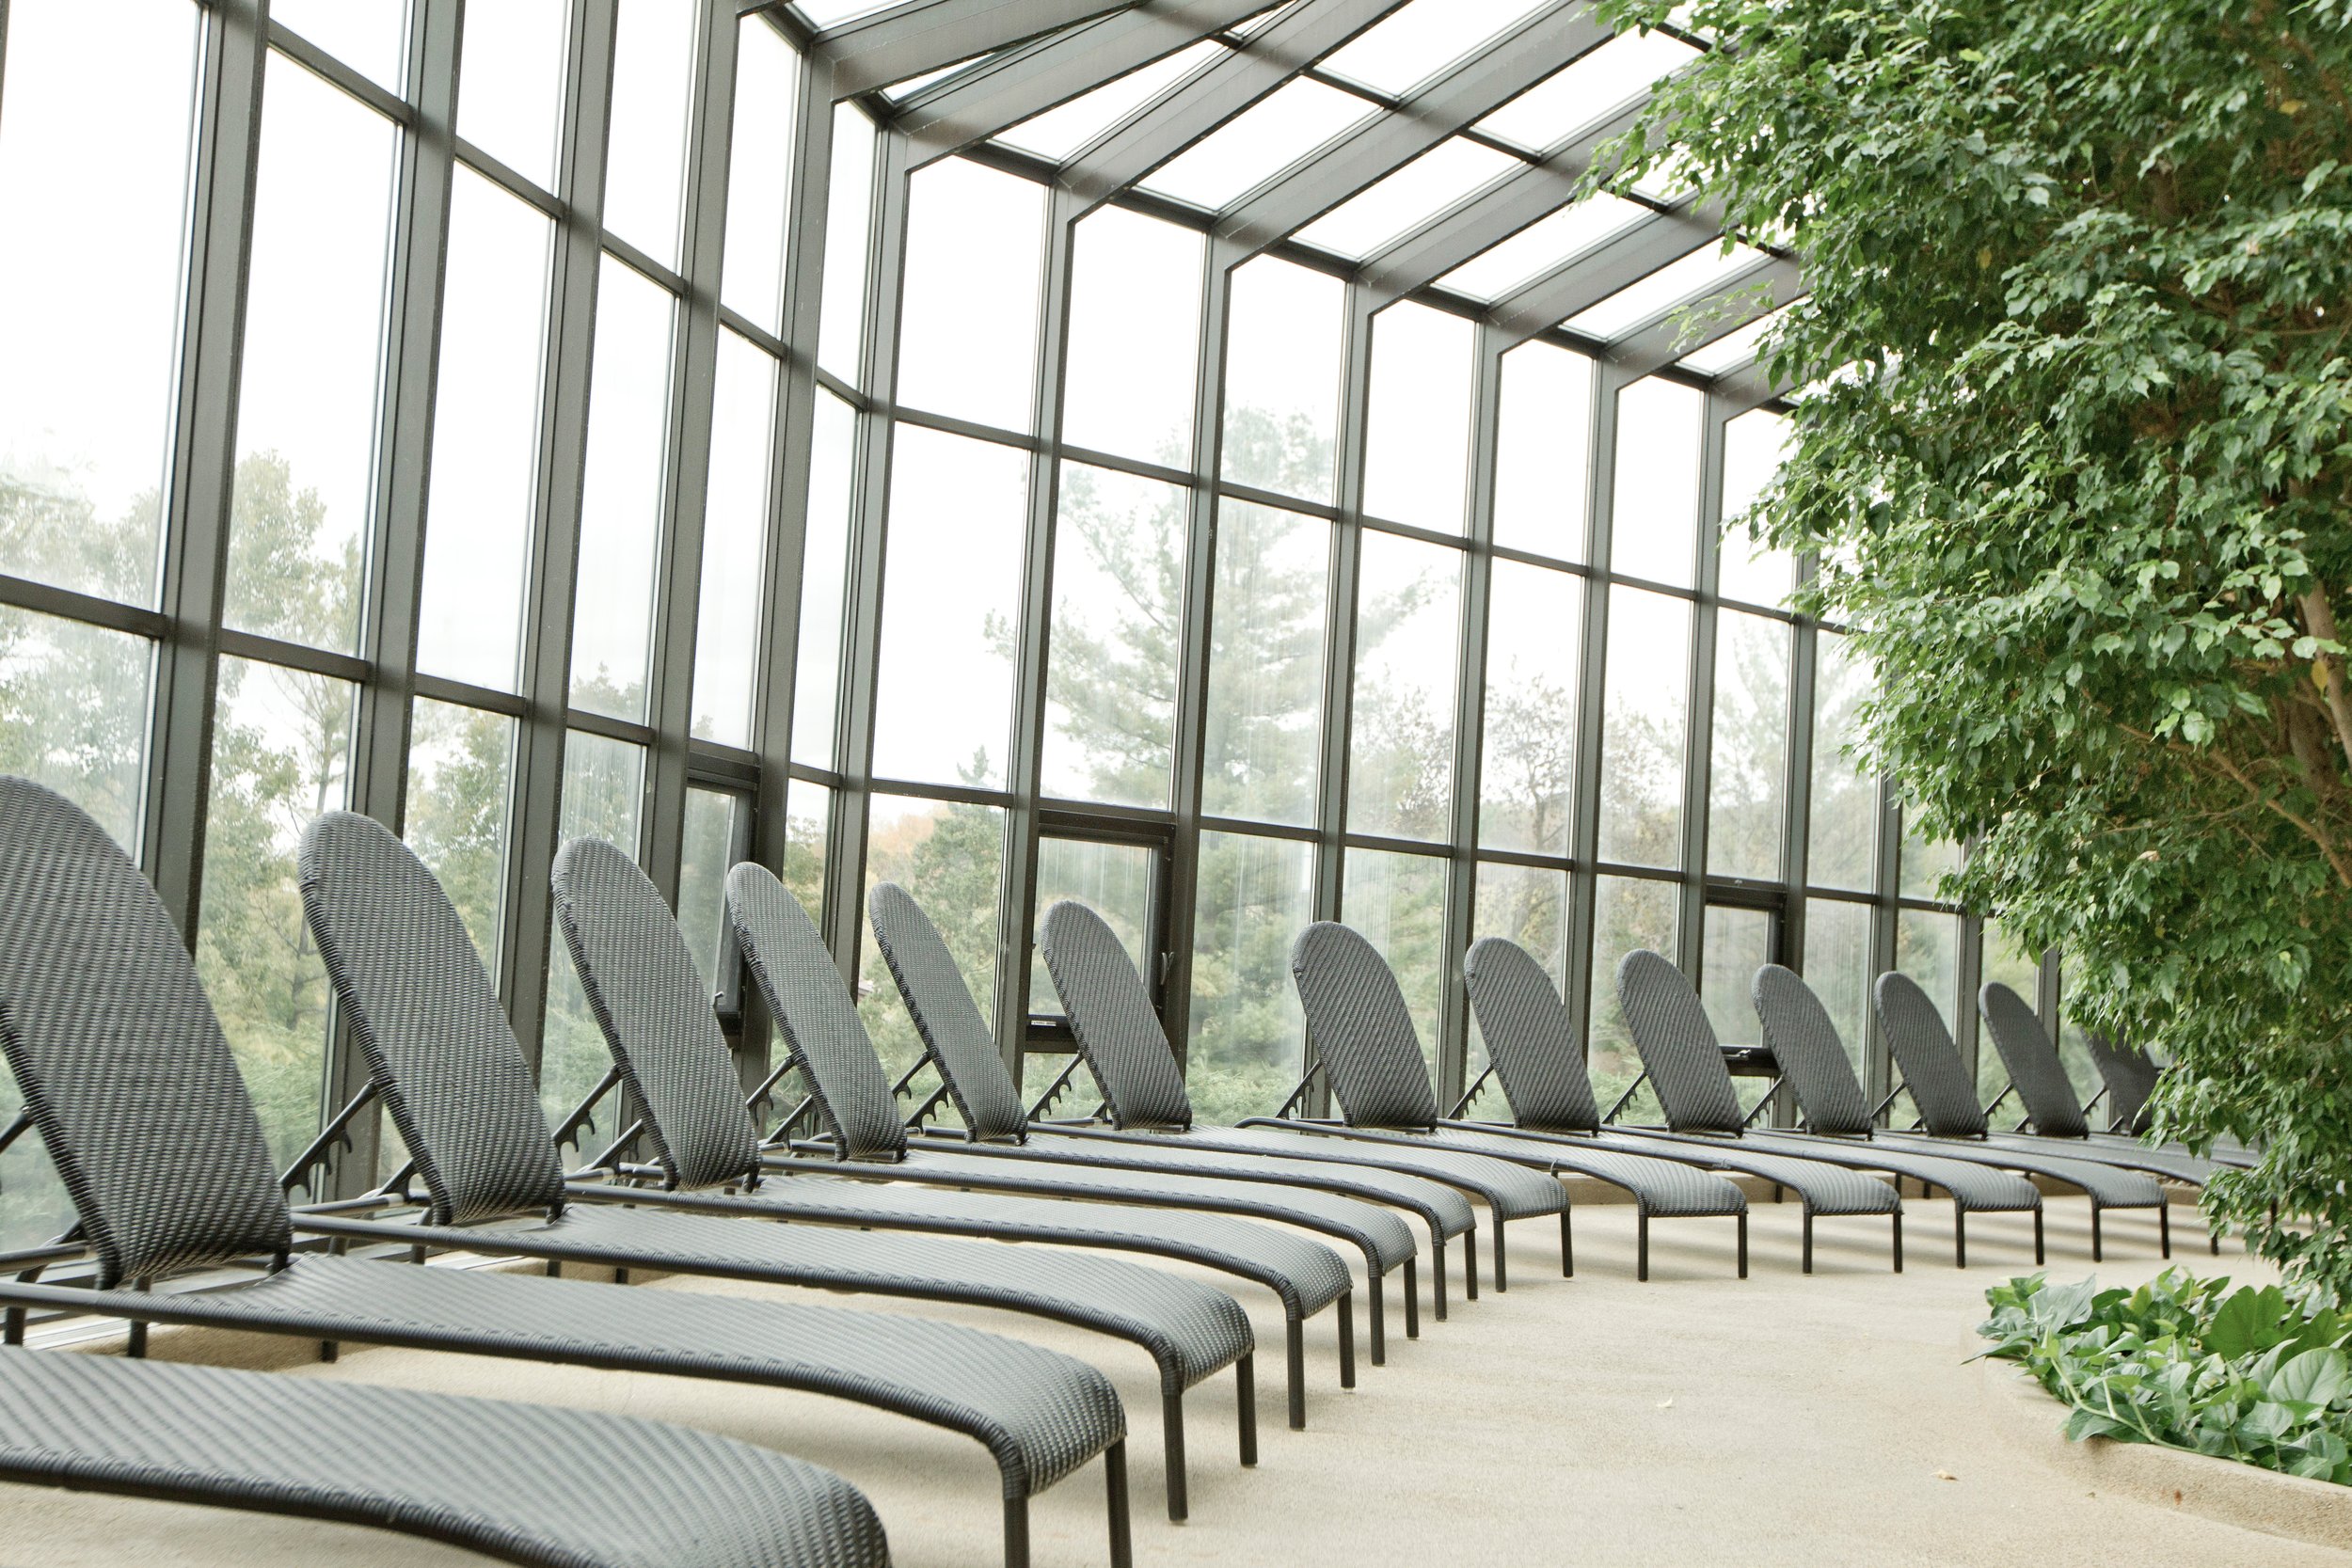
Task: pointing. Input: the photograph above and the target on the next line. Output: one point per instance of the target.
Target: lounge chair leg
(1501, 1284)
(1469, 1264)
(1296, 1351)
(2094, 1233)
(1016, 1533)
(137, 1349)
(1437, 1282)
(1245, 1400)
(1775, 1191)
(1347, 1338)
(1412, 1296)
(1808, 1238)
(1567, 1247)
(1640, 1245)
(1379, 1319)
(329, 1352)
(1743, 1243)
(14, 1332)
(1898, 1218)
(1115, 1482)
(2164, 1226)
(1172, 1445)
(2037, 1237)
(1959, 1236)
(555, 1270)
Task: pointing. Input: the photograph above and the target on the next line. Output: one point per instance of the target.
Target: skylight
(1422, 39)
(1408, 199)
(1258, 143)
(1702, 272)
(1588, 91)
(1060, 132)
(1543, 245)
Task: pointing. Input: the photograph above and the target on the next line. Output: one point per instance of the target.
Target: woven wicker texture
(1676, 1044)
(1930, 1066)
(1362, 1030)
(1666, 1188)
(945, 1015)
(1110, 1013)
(1803, 1039)
(526, 1484)
(814, 1013)
(1040, 1414)
(2130, 1075)
(121, 1063)
(2033, 1064)
(2111, 1186)
(1529, 1039)
(427, 1019)
(649, 1000)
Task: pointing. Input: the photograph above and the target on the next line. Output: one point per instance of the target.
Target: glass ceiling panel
(1735, 350)
(899, 92)
(1422, 39)
(1406, 200)
(822, 14)
(1542, 245)
(1697, 274)
(1259, 142)
(1568, 100)
(1252, 27)
(1059, 131)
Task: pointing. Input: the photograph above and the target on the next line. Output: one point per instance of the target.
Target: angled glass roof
(822, 14)
(1734, 351)
(1422, 39)
(1059, 131)
(1588, 91)
(1259, 143)
(1543, 245)
(1406, 200)
(1701, 273)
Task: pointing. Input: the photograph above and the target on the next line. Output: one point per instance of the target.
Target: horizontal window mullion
(293, 656)
(67, 604)
(440, 689)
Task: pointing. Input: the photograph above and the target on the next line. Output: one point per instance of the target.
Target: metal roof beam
(932, 35)
(1661, 341)
(1592, 276)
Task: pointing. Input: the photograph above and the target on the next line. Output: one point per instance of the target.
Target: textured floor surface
(1697, 1419)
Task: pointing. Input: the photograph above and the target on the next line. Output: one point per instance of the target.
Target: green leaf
(2316, 1377)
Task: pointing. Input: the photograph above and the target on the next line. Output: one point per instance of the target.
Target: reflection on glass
(1059, 131)
(1751, 570)
(735, 543)
(1134, 337)
(1259, 143)
(281, 745)
(485, 448)
(1654, 519)
(1842, 839)
(1736, 942)
(2010, 962)
(706, 856)
(760, 171)
(1626, 914)
(1646, 698)
(1252, 899)
(807, 820)
(1408, 199)
(1544, 453)
(1398, 903)
(968, 326)
(653, 87)
(1837, 967)
(950, 856)
(1118, 584)
(1112, 880)
(510, 101)
(604, 782)
(1527, 759)
(1265, 664)
(313, 336)
(1400, 779)
(1924, 862)
(89, 332)
(1284, 327)
(824, 580)
(74, 714)
(620, 507)
(1417, 455)
(1528, 905)
(849, 220)
(1748, 770)
(369, 36)
(461, 762)
(951, 589)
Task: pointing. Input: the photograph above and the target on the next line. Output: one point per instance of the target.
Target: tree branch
(2319, 619)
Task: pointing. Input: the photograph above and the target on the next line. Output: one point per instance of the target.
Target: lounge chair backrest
(2130, 1075)
(415, 998)
(1677, 1044)
(1110, 1013)
(1803, 1040)
(122, 1065)
(2033, 1064)
(655, 1011)
(1362, 1030)
(961, 1042)
(1931, 1065)
(1529, 1039)
(815, 1015)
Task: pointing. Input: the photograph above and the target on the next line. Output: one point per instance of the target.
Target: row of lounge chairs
(130, 1084)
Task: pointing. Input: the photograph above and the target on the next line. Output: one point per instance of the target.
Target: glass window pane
(1527, 759)
(314, 340)
(760, 171)
(1264, 723)
(1927, 948)
(951, 857)
(1059, 131)
(1837, 967)
(1252, 899)
(620, 507)
(90, 330)
(1842, 838)
(2010, 962)
(1748, 771)
(653, 87)
(1408, 199)
(1705, 271)
(824, 580)
(1528, 905)
(1134, 338)
(1750, 569)
(1924, 862)
(1646, 699)
(1543, 245)
(1417, 449)
(369, 36)
(1654, 518)
(1419, 39)
(1400, 776)
(1588, 90)
(706, 856)
(1119, 585)
(1544, 457)
(1259, 143)
(848, 217)
(951, 590)
(486, 428)
(461, 762)
(604, 783)
(509, 98)
(1737, 943)
(1285, 325)
(1398, 903)
(968, 326)
(1626, 914)
(1112, 880)
(74, 714)
(807, 818)
(281, 743)
(735, 544)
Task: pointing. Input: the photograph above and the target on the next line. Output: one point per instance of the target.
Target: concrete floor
(1697, 1419)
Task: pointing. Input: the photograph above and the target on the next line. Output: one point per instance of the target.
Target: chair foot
(1246, 1401)
(1115, 1484)
(1172, 1443)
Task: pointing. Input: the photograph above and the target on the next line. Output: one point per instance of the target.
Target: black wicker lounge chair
(827, 1043)
(959, 1044)
(2129, 1075)
(415, 995)
(517, 1483)
(133, 1088)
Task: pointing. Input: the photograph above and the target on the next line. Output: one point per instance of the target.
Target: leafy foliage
(2249, 1374)
(2075, 449)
